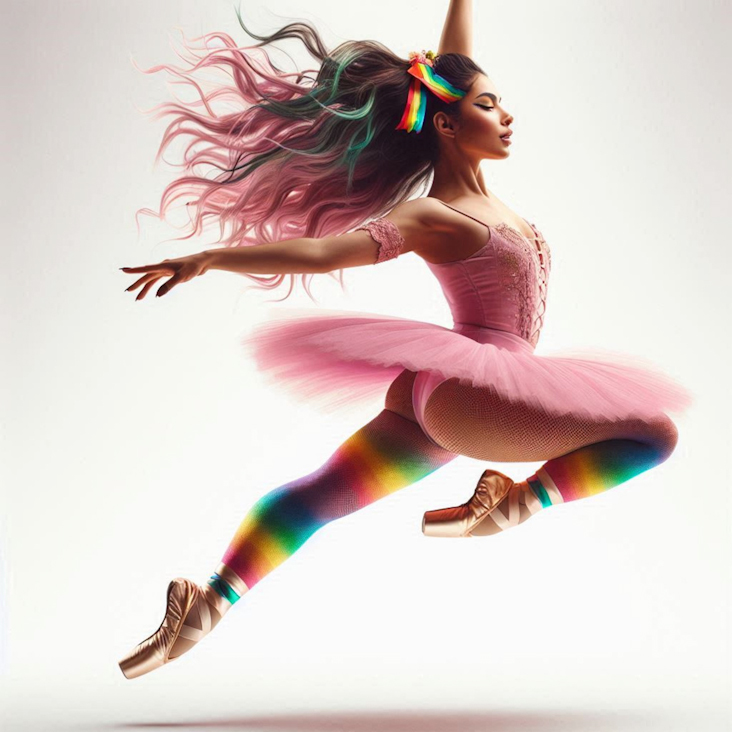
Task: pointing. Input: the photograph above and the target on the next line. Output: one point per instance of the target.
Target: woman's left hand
(179, 270)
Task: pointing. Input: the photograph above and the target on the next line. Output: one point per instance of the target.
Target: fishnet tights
(392, 451)
(478, 423)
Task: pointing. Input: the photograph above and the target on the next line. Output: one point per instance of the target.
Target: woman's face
(484, 120)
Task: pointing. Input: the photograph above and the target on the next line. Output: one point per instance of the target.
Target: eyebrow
(492, 96)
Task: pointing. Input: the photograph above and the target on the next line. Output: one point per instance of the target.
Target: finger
(146, 289)
(145, 268)
(169, 285)
(143, 280)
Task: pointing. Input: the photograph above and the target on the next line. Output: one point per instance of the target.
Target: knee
(296, 510)
(667, 436)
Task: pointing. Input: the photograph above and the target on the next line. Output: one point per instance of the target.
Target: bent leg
(583, 456)
(638, 446)
(388, 453)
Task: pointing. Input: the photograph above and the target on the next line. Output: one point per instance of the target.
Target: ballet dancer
(305, 161)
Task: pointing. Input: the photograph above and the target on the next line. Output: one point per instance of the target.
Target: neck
(458, 178)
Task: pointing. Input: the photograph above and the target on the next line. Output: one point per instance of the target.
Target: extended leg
(387, 454)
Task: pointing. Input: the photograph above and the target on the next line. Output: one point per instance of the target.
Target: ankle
(544, 488)
(218, 605)
(224, 588)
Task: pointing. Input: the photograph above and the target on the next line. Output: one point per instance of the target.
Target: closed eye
(482, 107)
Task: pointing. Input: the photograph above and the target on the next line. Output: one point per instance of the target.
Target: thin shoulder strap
(463, 213)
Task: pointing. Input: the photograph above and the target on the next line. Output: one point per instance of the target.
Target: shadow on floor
(420, 721)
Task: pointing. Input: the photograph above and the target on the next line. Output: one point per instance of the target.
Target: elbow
(311, 257)
(324, 257)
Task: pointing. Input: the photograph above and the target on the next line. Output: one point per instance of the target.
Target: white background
(136, 435)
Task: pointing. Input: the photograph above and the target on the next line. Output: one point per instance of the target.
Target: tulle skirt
(337, 359)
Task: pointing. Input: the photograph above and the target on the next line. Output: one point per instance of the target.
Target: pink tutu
(338, 359)
(497, 297)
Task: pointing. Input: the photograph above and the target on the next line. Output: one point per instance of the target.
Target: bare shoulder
(426, 212)
(424, 225)
(449, 235)
(427, 226)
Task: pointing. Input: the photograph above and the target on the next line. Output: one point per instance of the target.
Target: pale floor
(501, 718)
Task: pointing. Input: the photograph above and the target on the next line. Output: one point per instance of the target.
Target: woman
(317, 158)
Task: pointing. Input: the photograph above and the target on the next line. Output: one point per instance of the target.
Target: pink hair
(297, 157)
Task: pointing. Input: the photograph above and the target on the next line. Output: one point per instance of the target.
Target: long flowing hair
(305, 154)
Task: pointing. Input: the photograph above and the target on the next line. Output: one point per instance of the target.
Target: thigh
(399, 395)
(477, 422)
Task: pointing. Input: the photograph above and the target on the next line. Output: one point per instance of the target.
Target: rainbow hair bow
(421, 70)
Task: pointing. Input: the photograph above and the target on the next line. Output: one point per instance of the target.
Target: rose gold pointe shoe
(461, 521)
(192, 612)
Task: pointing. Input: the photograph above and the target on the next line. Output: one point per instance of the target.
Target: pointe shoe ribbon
(182, 596)
(459, 521)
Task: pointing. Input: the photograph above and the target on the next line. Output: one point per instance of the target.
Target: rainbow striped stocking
(584, 472)
(594, 468)
(387, 454)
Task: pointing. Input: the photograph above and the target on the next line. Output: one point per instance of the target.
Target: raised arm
(457, 33)
(457, 37)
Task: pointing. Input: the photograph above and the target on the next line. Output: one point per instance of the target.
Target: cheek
(482, 123)
(489, 126)
(487, 121)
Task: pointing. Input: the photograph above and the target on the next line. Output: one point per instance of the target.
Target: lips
(508, 134)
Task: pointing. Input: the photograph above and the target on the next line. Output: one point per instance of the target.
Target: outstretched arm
(457, 33)
(420, 223)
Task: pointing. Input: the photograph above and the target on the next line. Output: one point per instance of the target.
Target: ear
(444, 124)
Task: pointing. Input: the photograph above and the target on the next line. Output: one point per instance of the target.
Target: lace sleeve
(390, 241)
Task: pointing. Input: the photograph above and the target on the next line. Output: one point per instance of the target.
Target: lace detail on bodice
(524, 272)
(390, 240)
